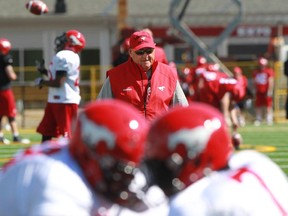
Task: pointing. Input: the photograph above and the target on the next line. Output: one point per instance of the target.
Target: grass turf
(6, 151)
(270, 140)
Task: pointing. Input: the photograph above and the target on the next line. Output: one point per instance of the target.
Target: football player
(63, 82)
(95, 173)
(190, 155)
(263, 80)
(217, 89)
(7, 100)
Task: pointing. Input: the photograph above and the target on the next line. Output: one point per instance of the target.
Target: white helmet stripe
(195, 139)
(75, 40)
(93, 133)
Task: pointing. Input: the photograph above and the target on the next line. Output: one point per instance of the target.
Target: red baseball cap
(141, 39)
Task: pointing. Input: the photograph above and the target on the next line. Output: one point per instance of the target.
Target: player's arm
(106, 91)
(270, 86)
(40, 66)
(10, 72)
(225, 107)
(57, 82)
(179, 96)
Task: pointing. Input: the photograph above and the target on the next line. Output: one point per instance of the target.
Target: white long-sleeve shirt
(52, 184)
(254, 186)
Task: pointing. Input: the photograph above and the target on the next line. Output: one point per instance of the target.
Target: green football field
(6, 151)
(270, 140)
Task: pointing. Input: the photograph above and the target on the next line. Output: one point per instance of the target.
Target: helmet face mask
(60, 42)
(184, 149)
(164, 174)
(116, 178)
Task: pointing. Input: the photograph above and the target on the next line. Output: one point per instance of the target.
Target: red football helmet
(70, 40)
(185, 144)
(5, 46)
(125, 45)
(262, 61)
(186, 75)
(201, 60)
(108, 144)
(237, 71)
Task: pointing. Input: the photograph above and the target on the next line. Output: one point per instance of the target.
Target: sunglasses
(142, 51)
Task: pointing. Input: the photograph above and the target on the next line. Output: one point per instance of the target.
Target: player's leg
(66, 114)
(259, 103)
(269, 111)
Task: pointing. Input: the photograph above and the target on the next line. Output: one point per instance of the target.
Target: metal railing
(30, 97)
(89, 83)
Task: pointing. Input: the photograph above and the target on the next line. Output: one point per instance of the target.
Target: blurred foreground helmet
(108, 144)
(5, 46)
(185, 144)
(71, 40)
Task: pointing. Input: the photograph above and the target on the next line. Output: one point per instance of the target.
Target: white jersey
(68, 61)
(254, 186)
(45, 184)
(46, 181)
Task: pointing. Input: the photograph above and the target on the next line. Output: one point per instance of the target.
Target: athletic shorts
(262, 100)
(7, 103)
(57, 120)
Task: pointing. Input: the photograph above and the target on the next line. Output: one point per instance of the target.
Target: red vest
(129, 83)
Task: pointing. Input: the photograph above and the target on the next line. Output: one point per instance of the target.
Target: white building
(32, 36)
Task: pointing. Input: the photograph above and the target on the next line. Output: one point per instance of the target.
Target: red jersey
(196, 73)
(261, 79)
(242, 80)
(213, 85)
(189, 78)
